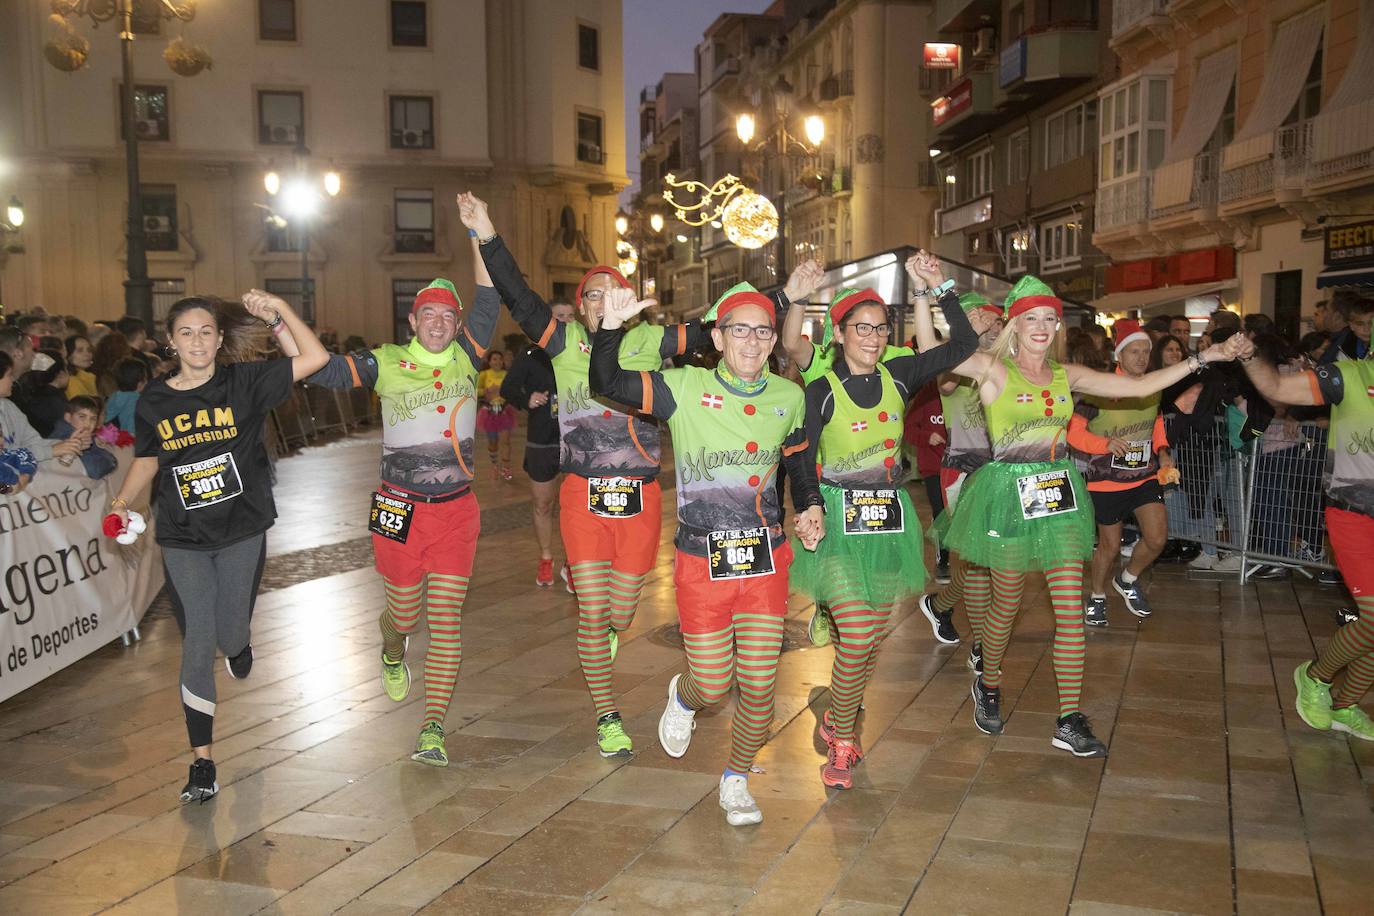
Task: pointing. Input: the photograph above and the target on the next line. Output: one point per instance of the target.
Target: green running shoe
(1314, 698)
(1353, 721)
(818, 630)
(614, 639)
(611, 737)
(395, 678)
(429, 747)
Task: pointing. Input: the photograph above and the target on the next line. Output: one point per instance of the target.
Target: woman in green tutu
(1028, 509)
(875, 556)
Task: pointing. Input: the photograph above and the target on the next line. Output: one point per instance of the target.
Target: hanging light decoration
(628, 258)
(750, 220)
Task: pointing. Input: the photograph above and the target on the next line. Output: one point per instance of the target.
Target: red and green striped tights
(1066, 597)
(1352, 648)
(606, 598)
(973, 586)
(442, 597)
(746, 652)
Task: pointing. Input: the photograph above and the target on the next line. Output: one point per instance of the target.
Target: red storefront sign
(959, 100)
(1208, 265)
(940, 55)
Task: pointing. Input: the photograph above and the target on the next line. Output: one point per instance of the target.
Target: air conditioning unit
(587, 152)
(282, 133)
(147, 127)
(985, 43)
(157, 224)
(412, 138)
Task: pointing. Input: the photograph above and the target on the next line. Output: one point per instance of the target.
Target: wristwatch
(943, 288)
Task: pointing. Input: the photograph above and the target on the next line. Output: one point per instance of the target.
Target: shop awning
(1360, 276)
(1212, 83)
(1163, 296)
(1285, 69)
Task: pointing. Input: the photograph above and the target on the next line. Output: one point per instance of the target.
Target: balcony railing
(1283, 168)
(1292, 153)
(978, 210)
(837, 86)
(1127, 14)
(1122, 204)
(1198, 175)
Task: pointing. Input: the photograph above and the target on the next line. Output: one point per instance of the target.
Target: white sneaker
(737, 803)
(1229, 563)
(676, 725)
(1203, 561)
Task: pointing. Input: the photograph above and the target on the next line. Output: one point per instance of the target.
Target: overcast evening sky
(660, 36)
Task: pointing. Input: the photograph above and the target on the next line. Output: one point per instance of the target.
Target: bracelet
(119, 502)
(485, 240)
(920, 293)
(943, 288)
(275, 322)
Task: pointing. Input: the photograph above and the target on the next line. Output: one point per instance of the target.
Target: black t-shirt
(214, 483)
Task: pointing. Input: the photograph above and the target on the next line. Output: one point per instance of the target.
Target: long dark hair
(1157, 352)
(245, 337)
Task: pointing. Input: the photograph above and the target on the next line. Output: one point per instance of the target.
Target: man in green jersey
(732, 426)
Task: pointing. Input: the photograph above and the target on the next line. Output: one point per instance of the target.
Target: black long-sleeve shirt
(531, 373)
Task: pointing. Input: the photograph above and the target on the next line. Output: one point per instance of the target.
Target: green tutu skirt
(939, 528)
(990, 527)
(879, 568)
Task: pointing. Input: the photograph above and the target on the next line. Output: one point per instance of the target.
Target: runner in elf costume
(610, 501)
(875, 555)
(731, 428)
(1123, 450)
(424, 517)
(967, 450)
(1027, 509)
(1348, 386)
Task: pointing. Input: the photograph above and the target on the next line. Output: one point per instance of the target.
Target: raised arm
(351, 370)
(800, 286)
(479, 324)
(924, 325)
(311, 355)
(526, 307)
(645, 391)
(1298, 388)
(1116, 385)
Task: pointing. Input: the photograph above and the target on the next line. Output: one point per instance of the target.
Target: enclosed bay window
(1134, 126)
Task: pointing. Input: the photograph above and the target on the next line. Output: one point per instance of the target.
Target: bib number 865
(739, 556)
(873, 513)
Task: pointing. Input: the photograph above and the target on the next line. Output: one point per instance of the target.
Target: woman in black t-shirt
(198, 434)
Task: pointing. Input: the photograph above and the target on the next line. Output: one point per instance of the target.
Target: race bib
(208, 482)
(615, 497)
(1137, 457)
(872, 512)
(391, 517)
(740, 553)
(1047, 494)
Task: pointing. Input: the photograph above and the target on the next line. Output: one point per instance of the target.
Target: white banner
(65, 588)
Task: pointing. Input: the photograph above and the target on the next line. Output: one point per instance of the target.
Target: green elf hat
(440, 292)
(736, 296)
(1028, 293)
(972, 301)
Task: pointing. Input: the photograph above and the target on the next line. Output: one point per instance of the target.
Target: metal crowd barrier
(312, 410)
(1262, 502)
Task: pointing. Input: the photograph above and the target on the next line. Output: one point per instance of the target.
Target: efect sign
(959, 100)
(1351, 245)
(940, 55)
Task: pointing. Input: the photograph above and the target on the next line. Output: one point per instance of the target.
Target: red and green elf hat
(440, 292)
(1029, 293)
(972, 301)
(611, 272)
(842, 303)
(738, 295)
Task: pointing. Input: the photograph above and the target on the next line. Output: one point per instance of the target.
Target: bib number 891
(739, 556)
(208, 484)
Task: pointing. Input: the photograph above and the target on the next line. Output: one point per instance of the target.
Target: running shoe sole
(432, 757)
(929, 611)
(1342, 727)
(835, 782)
(199, 794)
(1064, 746)
(742, 818)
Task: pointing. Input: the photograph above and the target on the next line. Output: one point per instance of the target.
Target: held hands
(538, 399)
(1225, 352)
(1244, 347)
(804, 280)
(810, 527)
(1118, 447)
(620, 305)
(263, 306)
(472, 210)
(924, 268)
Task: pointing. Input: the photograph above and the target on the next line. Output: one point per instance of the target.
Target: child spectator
(130, 375)
(81, 419)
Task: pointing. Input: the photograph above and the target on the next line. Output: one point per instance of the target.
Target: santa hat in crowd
(1126, 331)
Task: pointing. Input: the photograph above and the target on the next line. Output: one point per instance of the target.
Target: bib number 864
(208, 484)
(739, 556)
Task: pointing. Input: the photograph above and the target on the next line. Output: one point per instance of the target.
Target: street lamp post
(641, 235)
(300, 199)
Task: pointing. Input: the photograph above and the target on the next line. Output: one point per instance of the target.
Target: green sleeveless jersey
(823, 360)
(727, 447)
(429, 414)
(1129, 419)
(861, 448)
(1026, 424)
(597, 436)
(1348, 386)
(966, 448)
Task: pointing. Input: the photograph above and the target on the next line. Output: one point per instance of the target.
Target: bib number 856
(616, 500)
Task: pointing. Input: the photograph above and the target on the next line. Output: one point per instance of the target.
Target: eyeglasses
(864, 329)
(742, 331)
(594, 295)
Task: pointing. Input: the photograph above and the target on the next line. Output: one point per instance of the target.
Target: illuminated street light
(744, 127)
(682, 239)
(272, 182)
(815, 129)
(622, 224)
(332, 183)
(14, 213)
(656, 222)
(299, 199)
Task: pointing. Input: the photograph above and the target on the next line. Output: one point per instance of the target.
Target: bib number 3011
(1043, 495)
(739, 553)
(390, 517)
(208, 482)
(615, 497)
(872, 512)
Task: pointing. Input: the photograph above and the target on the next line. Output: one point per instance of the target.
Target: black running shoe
(941, 625)
(240, 664)
(942, 572)
(975, 657)
(201, 784)
(1345, 615)
(1072, 734)
(987, 707)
